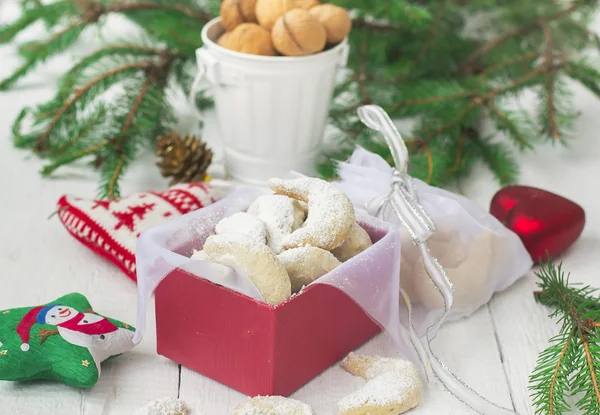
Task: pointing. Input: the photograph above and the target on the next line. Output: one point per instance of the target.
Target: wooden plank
(462, 343)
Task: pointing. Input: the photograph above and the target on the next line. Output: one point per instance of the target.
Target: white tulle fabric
(366, 177)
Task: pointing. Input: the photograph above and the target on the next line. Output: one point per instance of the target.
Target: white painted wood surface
(493, 351)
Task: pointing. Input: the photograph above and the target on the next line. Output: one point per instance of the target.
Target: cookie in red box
(110, 228)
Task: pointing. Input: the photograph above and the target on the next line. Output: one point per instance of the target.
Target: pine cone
(184, 159)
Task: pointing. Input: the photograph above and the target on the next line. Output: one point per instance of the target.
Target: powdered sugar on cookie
(278, 213)
(330, 212)
(393, 386)
(243, 224)
(273, 405)
(167, 406)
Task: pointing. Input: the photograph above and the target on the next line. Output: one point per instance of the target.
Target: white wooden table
(494, 351)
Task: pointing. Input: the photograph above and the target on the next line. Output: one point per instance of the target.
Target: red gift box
(251, 346)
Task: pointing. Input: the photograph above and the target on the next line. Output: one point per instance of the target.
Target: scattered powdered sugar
(244, 224)
(166, 406)
(395, 392)
(273, 405)
(278, 214)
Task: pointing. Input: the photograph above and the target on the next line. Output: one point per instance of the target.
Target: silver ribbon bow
(403, 200)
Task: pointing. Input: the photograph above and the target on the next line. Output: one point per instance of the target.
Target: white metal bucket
(272, 110)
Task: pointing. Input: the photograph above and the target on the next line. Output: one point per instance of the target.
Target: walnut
(248, 38)
(268, 11)
(236, 12)
(305, 4)
(225, 40)
(299, 33)
(336, 20)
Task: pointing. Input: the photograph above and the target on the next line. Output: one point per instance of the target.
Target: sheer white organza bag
(454, 254)
(480, 255)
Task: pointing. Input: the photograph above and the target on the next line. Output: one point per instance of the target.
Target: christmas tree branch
(142, 6)
(411, 58)
(430, 100)
(40, 146)
(420, 143)
(362, 74)
(558, 369)
(550, 79)
(570, 365)
(61, 161)
(155, 75)
(68, 35)
(80, 133)
(509, 62)
(519, 31)
(509, 124)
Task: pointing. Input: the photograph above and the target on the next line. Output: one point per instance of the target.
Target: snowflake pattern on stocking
(111, 227)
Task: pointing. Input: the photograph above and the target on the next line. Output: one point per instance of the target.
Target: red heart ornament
(547, 223)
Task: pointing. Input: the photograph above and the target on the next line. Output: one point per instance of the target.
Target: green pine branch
(571, 364)
(412, 58)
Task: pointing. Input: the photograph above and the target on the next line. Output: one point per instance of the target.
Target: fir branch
(430, 100)
(156, 75)
(498, 158)
(519, 31)
(72, 156)
(419, 143)
(84, 128)
(37, 52)
(550, 79)
(135, 66)
(508, 122)
(429, 157)
(517, 83)
(459, 150)
(32, 15)
(71, 77)
(362, 74)
(147, 6)
(570, 364)
(585, 74)
(551, 386)
(509, 62)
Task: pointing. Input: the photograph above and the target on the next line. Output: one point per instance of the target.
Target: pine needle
(571, 364)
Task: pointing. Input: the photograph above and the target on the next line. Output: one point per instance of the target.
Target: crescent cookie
(244, 224)
(260, 264)
(358, 241)
(393, 386)
(467, 267)
(330, 212)
(281, 216)
(306, 264)
(273, 405)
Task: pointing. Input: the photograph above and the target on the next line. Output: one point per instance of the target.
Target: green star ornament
(64, 340)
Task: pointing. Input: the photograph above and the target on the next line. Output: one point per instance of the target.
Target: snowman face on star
(59, 314)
